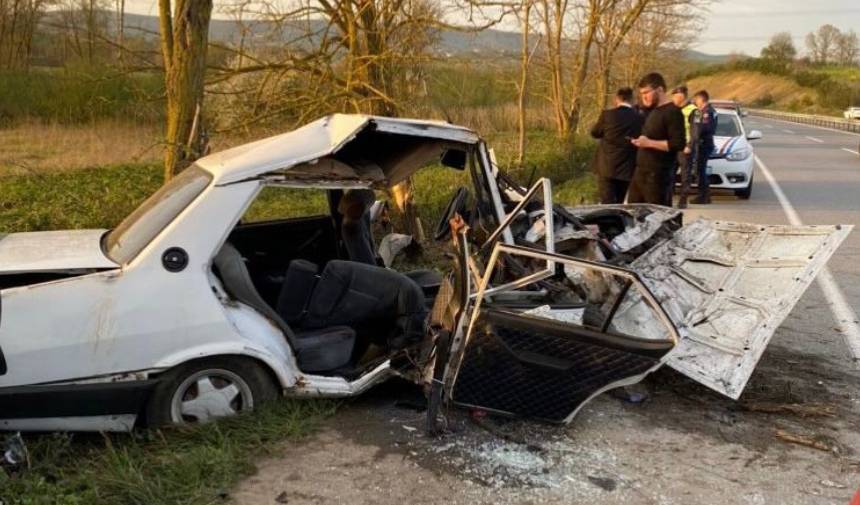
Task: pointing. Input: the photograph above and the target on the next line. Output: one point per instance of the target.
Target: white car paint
(116, 323)
(141, 317)
(52, 251)
(732, 161)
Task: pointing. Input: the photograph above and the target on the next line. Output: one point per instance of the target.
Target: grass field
(188, 466)
(54, 198)
(198, 465)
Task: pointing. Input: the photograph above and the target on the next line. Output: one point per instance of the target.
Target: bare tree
(822, 43)
(847, 48)
(18, 21)
(526, 55)
(780, 49)
(184, 40)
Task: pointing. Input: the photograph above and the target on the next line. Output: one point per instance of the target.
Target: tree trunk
(184, 38)
(524, 79)
(581, 69)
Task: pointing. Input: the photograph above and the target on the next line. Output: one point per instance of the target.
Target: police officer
(702, 128)
(679, 98)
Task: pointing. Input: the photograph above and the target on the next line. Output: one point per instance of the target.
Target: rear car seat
(321, 349)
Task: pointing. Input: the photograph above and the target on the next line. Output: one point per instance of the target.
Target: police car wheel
(746, 193)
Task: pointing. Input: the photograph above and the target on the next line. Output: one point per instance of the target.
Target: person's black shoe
(701, 201)
(682, 203)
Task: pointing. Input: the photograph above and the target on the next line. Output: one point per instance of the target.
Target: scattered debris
(604, 483)
(282, 498)
(798, 409)
(637, 393)
(409, 428)
(15, 454)
(815, 442)
(391, 245)
(830, 483)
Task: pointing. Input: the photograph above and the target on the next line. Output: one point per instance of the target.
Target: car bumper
(727, 174)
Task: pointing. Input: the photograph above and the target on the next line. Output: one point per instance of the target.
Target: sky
(746, 25)
(731, 25)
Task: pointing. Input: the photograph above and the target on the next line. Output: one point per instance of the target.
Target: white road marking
(855, 153)
(846, 319)
(814, 139)
(788, 131)
(813, 126)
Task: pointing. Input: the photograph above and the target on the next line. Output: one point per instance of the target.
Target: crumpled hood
(51, 251)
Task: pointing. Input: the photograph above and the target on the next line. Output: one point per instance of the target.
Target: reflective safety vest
(687, 111)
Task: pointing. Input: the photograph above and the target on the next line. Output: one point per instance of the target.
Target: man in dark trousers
(616, 156)
(703, 125)
(662, 137)
(685, 161)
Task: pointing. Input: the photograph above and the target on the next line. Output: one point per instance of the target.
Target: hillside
(757, 89)
(450, 42)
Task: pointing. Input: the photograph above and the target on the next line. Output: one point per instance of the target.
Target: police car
(731, 164)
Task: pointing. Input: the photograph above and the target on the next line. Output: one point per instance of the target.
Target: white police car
(731, 165)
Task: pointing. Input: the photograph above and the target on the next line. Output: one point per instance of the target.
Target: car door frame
(457, 356)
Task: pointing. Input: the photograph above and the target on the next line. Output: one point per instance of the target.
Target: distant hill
(701, 57)
(451, 42)
(757, 89)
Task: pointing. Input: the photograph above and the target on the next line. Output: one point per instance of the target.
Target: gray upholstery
(326, 349)
(316, 351)
(299, 282)
(237, 281)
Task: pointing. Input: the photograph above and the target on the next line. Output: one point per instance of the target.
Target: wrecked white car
(185, 312)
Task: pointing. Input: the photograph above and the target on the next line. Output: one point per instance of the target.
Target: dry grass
(36, 147)
(751, 87)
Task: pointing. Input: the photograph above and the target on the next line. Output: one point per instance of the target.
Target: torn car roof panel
(728, 286)
(320, 138)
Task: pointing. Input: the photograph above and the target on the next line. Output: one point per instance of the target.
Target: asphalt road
(818, 171)
(684, 445)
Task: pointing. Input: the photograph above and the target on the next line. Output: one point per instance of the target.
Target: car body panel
(53, 251)
(134, 321)
(852, 113)
(542, 363)
(315, 140)
(728, 287)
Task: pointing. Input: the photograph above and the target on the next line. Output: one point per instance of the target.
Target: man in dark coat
(702, 129)
(616, 156)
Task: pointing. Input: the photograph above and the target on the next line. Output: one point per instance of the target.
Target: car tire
(746, 193)
(203, 390)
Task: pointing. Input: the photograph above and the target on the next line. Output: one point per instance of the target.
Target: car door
(728, 286)
(540, 344)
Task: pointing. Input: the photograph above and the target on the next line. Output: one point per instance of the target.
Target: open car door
(541, 345)
(728, 287)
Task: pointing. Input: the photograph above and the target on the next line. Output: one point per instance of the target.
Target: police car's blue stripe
(727, 147)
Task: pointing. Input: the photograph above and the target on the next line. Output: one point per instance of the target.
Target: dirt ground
(684, 445)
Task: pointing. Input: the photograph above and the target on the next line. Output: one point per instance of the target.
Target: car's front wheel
(746, 193)
(203, 390)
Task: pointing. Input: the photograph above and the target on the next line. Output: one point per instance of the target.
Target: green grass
(100, 197)
(90, 198)
(187, 466)
(79, 94)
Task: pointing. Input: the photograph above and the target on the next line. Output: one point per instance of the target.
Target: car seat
(386, 303)
(321, 349)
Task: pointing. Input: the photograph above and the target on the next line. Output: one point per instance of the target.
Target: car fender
(277, 364)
